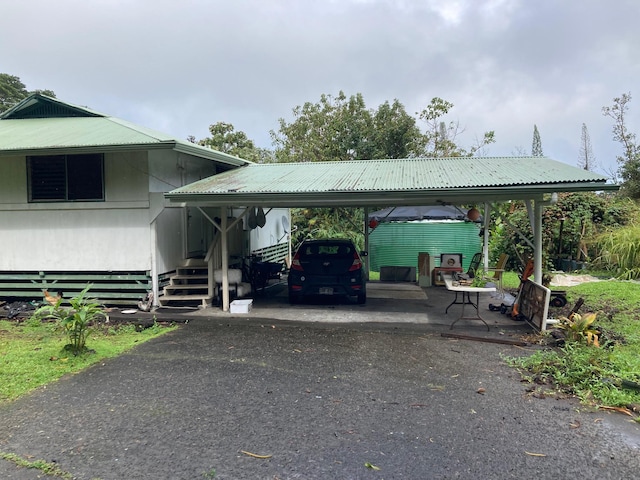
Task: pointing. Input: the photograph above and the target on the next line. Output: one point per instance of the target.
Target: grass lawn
(604, 375)
(32, 352)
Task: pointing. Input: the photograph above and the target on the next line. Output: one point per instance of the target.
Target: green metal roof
(26, 130)
(415, 181)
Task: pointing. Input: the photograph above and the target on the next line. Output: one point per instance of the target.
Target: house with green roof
(82, 201)
(85, 197)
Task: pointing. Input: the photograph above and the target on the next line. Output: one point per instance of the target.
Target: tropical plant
(76, 320)
(579, 328)
(619, 251)
(318, 223)
(568, 227)
(479, 280)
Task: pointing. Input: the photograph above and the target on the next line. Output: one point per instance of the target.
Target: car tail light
(295, 263)
(357, 263)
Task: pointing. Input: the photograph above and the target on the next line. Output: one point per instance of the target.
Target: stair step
(195, 262)
(204, 300)
(189, 277)
(184, 297)
(186, 287)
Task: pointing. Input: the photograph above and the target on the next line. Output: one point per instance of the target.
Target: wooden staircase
(188, 286)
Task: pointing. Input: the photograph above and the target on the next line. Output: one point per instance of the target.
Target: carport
(479, 181)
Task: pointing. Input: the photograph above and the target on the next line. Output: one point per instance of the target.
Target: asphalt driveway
(321, 400)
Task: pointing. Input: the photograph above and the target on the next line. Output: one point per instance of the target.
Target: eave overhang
(467, 195)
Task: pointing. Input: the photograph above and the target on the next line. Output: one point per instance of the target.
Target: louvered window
(66, 178)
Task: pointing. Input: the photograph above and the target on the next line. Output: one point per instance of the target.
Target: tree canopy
(12, 91)
(343, 128)
(586, 158)
(536, 145)
(629, 161)
(225, 138)
(440, 138)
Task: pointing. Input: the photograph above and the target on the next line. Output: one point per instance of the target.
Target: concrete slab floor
(387, 303)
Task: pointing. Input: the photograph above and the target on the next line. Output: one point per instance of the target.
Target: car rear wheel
(361, 298)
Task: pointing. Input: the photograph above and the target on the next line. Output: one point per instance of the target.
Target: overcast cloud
(179, 66)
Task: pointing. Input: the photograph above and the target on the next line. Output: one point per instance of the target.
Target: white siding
(13, 180)
(114, 235)
(75, 240)
(273, 232)
(126, 177)
(75, 236)
(170, 246)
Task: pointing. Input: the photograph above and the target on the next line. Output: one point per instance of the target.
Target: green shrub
(619, 251)
(76, 320)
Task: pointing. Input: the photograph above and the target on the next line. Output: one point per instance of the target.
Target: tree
(343, 128)
(536, 147)
(335, 128)
(629, 161)
(225, 138)
(569, 226)
(12, 91)
(395, 134)
(440, 137)
(586, 158)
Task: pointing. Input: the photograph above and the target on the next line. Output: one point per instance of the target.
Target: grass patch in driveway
(32, 352)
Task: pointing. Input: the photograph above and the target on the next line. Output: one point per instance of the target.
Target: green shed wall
(398, 243)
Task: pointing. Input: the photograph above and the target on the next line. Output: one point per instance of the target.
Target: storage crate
(241, 306)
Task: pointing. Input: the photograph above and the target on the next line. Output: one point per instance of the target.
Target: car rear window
(337, 250)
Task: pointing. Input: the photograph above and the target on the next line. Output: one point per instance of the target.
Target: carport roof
(414, 181)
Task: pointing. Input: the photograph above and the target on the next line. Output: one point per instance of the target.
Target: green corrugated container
(398, 243)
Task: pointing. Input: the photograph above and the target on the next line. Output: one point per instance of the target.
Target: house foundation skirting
(109, 288)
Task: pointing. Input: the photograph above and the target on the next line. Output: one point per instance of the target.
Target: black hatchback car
(327, 267)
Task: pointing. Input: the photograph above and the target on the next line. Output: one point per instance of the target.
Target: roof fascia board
(87, 149)
(197, 152)
(319, 199)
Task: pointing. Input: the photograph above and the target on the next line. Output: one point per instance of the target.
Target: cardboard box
(241, 306)
(439, 271)
(424, 269)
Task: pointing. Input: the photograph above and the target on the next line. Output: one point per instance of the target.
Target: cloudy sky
(179, 66)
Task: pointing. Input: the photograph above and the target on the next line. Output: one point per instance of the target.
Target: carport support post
(485, 235)
(537, 240)
(366, 240)
(225, 260)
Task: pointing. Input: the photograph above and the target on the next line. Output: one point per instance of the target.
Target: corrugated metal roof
(91, 133)
(403, 174)
(388, 182)
(384, 176)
